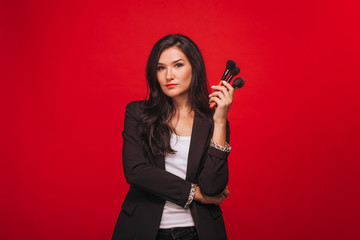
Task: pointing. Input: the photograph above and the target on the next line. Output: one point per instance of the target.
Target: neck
(182, 104)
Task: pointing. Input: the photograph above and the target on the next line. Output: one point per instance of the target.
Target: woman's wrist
(219, 134)
(198, 195)
(220, 122)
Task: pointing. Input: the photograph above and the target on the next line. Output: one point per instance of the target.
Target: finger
(217, 100)
(228, 86)
(220, 99)
(222, 95)
(229, 91)
(218, 94)
(226, 193)
(220, 199)
(228, 94)
(219, 88)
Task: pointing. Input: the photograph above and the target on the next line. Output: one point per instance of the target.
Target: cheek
(189, 76)
(158, 76)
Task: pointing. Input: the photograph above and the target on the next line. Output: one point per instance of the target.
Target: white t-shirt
(175, 215)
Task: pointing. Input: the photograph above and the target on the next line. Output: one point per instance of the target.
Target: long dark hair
(154, 129)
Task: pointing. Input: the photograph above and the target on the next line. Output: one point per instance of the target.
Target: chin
(171, 93)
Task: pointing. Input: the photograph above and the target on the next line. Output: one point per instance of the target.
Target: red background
(69, 68)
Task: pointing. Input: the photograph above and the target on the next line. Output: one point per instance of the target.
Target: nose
(169, 75)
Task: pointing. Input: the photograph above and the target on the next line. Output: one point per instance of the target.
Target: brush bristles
(238, 83)
(230, 64)
(235, 71)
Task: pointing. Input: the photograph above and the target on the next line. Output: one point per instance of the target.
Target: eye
(179, 65)
(159, 68)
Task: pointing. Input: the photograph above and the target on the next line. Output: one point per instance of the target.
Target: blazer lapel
(199, 137)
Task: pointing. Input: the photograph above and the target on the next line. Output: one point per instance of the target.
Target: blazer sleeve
(140, 172)
(214, 175)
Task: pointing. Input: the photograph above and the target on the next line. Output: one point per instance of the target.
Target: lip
(170, 85)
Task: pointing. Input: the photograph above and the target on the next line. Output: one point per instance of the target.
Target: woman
(175, 150)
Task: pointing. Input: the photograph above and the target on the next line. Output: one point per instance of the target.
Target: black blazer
(151, 185)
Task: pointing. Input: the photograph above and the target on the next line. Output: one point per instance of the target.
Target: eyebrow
(159, 63)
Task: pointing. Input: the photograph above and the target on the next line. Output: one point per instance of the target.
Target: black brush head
(230, 64)
(238, 83)
(235, 71)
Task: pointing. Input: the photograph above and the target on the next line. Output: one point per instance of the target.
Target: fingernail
(212, 86)
(209, 95)
(224, 81)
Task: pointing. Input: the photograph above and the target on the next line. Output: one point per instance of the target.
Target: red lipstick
(170, 85)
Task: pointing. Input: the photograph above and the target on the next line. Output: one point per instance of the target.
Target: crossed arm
(145, 175)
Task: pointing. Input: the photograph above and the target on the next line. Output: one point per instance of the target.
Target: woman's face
(174, 73)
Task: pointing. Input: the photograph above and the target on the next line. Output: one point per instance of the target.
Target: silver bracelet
(191, 195)
(227, 147)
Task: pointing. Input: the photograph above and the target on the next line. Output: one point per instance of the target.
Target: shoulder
(135, 108)
(133, 112)
(136, 104)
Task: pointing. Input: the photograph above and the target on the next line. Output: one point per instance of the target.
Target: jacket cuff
(227, 147)
(185, 194)
(218, 153)
(191, 195)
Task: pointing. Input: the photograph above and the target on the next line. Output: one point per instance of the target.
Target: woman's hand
(217, 199)
(223, 97)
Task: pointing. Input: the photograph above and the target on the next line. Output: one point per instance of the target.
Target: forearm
(141, 173)
(219, 134)
(215, 173)
(217, 199)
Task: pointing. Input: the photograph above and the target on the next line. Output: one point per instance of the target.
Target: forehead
(172, 54)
